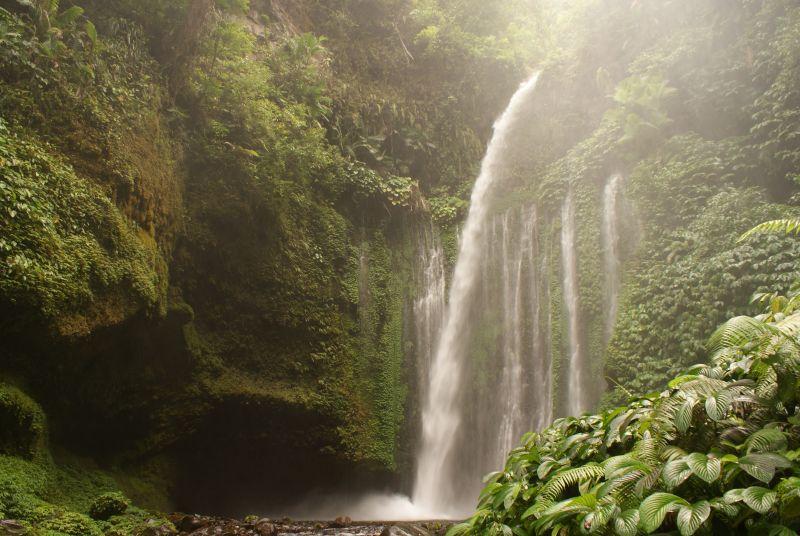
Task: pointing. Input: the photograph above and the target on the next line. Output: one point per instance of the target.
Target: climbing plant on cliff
(715, 452)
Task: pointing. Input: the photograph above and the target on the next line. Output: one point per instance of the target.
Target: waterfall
(611, 248)
(441, 417)
(541, 322)
(511, 383)
(577, 399)
(429, 304)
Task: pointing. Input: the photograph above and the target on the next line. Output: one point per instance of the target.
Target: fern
(734, 413)
(786, 225)
(586, 473)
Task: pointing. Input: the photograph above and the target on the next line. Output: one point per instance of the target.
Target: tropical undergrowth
(715, 452)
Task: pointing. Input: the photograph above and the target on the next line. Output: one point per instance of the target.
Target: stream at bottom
(375, 514)
(192, 525)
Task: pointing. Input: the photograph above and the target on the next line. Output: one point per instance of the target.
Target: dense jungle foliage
(210, 213)
(715, 453)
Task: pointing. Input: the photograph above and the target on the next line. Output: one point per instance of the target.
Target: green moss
(23, 427)
(56, 497)
(107, 505)
(67, 254)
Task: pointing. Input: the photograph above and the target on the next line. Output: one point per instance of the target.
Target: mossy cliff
(210, 215)
(210, 218)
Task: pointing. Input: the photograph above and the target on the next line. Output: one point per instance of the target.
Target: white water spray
(441, 417)
(577, 399)
(611, 246)
(541, 322)
(511, 382)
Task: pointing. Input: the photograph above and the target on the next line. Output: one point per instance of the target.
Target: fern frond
(577, 475)
(736, 332)
(786, 225)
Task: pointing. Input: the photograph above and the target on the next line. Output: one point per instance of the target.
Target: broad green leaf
(680, 380)
(762, 465)
(718, 405)
(733, 495)
(91, 31)
(766, 440)
(683, 418)
(511, 496)
(759, 499)
(654, 509)
(704, 467)
(728, 510)
(626, 524)
(598, 519)
(675, 473)
(70, 15)
(547, 465)
(459, 529)
(691, 517)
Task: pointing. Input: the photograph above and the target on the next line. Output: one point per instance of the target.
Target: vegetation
(209, 213)
(715, 452)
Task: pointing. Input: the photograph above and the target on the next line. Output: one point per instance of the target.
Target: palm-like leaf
(576, 475)
(785, 225)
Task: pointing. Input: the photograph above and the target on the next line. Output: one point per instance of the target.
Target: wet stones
(342, 521)
(10, 527)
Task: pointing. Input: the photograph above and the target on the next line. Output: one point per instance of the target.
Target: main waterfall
(436, 486)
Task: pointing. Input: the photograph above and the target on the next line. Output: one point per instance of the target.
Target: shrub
(108, 505)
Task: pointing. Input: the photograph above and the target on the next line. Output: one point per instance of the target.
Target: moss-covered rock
(69, 257)
(107, 505)
(23, 426)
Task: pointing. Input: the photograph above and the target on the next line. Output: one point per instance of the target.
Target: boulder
(265, 527)
(341, 521)
(9, 527)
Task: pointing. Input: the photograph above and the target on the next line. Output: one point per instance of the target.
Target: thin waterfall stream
(577, 399)
(611, 247)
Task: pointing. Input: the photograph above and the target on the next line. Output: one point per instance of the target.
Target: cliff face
(202, 285)
(210, 216)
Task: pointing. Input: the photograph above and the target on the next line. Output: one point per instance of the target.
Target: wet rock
(265, 527)
(342, 521)
(192, 523)
(155, 527)
(394, 531)
(9, 527)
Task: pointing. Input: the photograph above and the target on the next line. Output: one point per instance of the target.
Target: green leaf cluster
(717, 451)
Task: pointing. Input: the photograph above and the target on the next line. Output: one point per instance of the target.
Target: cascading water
(511, 383)
(541, 322)
(577, 399)
(435, 488)
(429, 305)
(611, 246)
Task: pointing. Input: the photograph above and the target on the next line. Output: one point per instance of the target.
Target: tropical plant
(717, 451)
(785, 225)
